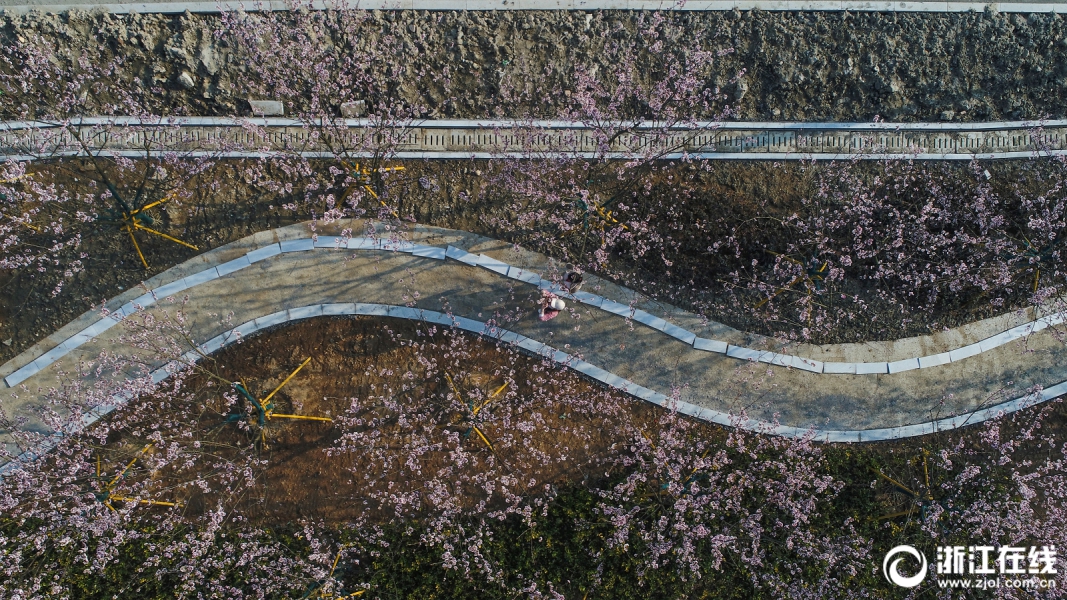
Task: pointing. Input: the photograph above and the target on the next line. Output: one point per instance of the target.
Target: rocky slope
(797, 66)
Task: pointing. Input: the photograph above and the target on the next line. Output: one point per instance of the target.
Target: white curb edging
(548, 352)
(518, 274)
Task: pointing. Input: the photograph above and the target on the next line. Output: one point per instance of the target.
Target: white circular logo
(890, 570)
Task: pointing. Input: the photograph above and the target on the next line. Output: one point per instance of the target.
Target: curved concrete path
(840, 392)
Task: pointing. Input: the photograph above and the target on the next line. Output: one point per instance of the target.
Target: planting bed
(546, 506)
(548, 427)
(213, 208)
(551, 429)
(716, 261)
(451, 466)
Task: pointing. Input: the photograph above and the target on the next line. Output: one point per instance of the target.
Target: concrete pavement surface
(641, 341)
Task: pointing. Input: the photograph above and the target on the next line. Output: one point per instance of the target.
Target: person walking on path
(549, 306)
(572, 281)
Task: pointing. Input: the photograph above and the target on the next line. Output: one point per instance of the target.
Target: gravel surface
(797, 66)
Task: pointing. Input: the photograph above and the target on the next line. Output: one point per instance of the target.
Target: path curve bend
(648, 349)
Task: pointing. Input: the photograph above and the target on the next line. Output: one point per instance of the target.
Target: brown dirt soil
(798, 66)
(748, 200)
(358, 357)
(212, 209)
(222, 205)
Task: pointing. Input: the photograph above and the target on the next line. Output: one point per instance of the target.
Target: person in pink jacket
(549, 306)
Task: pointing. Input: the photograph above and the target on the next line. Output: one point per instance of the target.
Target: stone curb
(306, 244)
(451, 155)
(545, 351)
(487, 139)
(168, 121)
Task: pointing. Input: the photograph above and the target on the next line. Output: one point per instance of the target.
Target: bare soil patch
(385, 379)
(745, 201)
(211, 209)
(563, 439)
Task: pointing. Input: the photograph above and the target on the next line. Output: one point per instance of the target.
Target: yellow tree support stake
(164, 236)
(107, 496)
(266, 408)
(269, 408)
(475, 410)
(285, 381)
(136, 246)
(318, 593)
(490, 398)
(921, 498)
(14, 179)
(363, 177)
(607, 216)
(133, 223)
